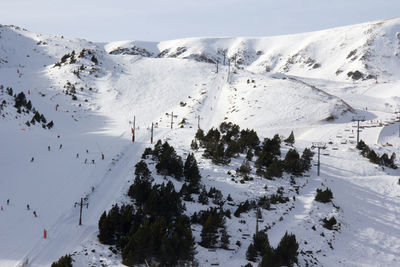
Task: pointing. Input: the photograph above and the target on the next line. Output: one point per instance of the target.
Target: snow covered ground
(149, 80)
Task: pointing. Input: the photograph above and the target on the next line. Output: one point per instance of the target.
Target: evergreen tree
(203, 198)
(191, 173)
(261, 242)
(64, 261)
(29, 105)
(373, 157)
(292, 162)
(224, 239)
(275, 169)
(106, 230)
(290, 140)
(142, 172)
(328, 224)
(169, 163)
(324, 196)
(244, 168)
(251, 253)
(194, 145)
(233, 149)
(209, 232)
(286, 252)
(218, 156)
(50, 125)
(218, 198)
(306, 158)
(20, 100)
(249, 155)
(200, 135)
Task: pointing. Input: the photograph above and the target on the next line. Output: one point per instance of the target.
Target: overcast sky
(156, 20)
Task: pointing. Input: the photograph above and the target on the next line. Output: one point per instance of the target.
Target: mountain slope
(273, 84)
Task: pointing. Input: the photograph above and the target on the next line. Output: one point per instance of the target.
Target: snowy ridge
(280, 84)
(370, 48)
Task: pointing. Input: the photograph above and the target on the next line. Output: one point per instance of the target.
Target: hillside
(312, 84)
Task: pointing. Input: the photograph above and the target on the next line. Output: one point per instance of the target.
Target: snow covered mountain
(311, 83)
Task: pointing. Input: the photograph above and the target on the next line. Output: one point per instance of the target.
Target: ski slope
(149, 80)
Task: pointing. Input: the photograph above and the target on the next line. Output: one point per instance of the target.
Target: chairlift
(335, 148)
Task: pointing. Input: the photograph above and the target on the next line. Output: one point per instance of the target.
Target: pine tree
(64, 261)
(224, 239)
(142, 172)
(106, 231)
(200, 136)
(191, 173)
(290, 140)
(292, 162)
(203, 198)
(20, 100)
(194, 145)
(209, 233)
(261, 242)
(218, 157)
(373, 157)
(274, 169)
(286, 252)
(324, 196)
(251, 253)
(244, 168)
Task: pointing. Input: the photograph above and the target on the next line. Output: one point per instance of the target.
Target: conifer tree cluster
(154, 229)
(269, 165)
(244, 207)
(213, 233)
(223, 144)
(168, 162)
(324, 196)
(330, 224)
(227, 142)
(285, 254)
(373, 157)
(278, 197)
(23, 105)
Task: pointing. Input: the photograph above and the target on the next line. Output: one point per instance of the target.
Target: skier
(34, 213)
(87, 151)
(77, 155)
(32, 159)
(8, 201)
(60, 146)
(48, 148)
(85, 160)
(27, 207)
(92, 161)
